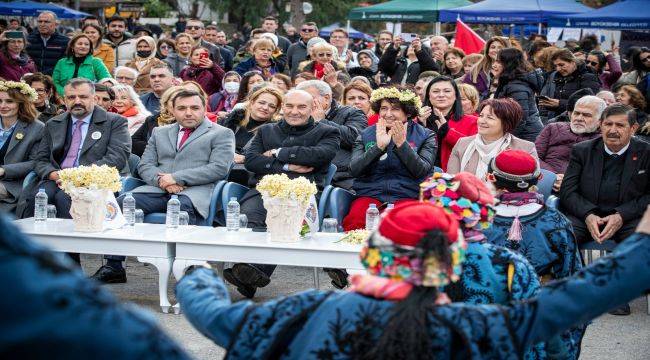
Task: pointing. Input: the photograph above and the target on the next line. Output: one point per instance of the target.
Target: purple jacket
(482, 83)
(609, 78)
(554, 145)
(209, 79)
(13, 71)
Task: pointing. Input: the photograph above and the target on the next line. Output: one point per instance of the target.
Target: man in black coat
(46, 46)
(606, 187)
(296, 146)
(406, 69)
(349, 120)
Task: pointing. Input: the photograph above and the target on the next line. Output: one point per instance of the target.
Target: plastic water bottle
(173, 212)
(232, 215)
(372, 217)
(389, 207)
(40, 206)
(128, 209)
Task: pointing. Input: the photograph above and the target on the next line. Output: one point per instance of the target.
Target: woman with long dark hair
(14, 61)
(248, 80)
(399, 310)
(598, 61)
(518, 81)
(447, 119)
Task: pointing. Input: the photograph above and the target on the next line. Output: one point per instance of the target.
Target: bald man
(297, 146)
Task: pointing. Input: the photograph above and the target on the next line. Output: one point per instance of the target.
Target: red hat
(473, 189)
(516, 162)
(409, 221)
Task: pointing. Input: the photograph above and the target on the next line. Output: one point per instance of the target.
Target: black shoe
(339, 277)
(244, 289)
(109, 275)
(622, 311)
(249, 274)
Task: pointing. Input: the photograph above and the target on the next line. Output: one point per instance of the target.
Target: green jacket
(92, 68)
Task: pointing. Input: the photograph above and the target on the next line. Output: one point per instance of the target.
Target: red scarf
(132, 111)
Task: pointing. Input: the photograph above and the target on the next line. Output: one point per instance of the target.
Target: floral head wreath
(404, 96)
(401, 260)
(441, 189)
(22, 86)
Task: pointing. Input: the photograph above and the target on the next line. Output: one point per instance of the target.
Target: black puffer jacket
(395, 67)
(313, 144)
(367, 73)
(523, 89)
(562, 87)
(350, 121)
(46, 57)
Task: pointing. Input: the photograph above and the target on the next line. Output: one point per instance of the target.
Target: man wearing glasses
(196, 29)
(298, 51)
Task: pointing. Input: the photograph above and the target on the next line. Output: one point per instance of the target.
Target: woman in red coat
(14, 61)
(444, 106)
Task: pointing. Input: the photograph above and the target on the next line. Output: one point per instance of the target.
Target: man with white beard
(556, 140)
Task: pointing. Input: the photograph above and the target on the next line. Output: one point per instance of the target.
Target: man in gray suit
(84, 135)
(187, 159)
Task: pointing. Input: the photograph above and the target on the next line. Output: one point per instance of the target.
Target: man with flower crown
(399, 310)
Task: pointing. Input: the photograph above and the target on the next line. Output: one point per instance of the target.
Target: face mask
(144, 54)
(231, 87)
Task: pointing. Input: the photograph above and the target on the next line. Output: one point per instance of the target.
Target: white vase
(283, 218)
(88, 209)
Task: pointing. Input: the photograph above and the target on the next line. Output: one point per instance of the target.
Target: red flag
(467, 39)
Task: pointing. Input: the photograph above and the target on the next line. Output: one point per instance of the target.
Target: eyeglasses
(194, 27)
(124, 78)
(41, 91)
(593, 63)
(324, 54)
(165, 47)
(307, 30)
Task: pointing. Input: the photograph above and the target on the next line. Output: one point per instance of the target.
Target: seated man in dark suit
(297, 146)
(606, 187)
(84, 135)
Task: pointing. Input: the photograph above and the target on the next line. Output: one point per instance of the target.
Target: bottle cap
(233, 199)
(373, 206)
(174, 196)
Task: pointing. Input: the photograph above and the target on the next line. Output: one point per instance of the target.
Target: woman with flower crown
(391, 158)
(399, 311)
(20, 134)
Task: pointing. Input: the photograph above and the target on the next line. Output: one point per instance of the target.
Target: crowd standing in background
(198, 106)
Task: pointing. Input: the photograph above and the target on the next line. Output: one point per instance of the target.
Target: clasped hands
(612, 224)
(167, 182)
(396, 132)
(301, 169)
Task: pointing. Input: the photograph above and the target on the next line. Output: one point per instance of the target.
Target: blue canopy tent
(621, 15)
(31, 8)
(352, 32)
(513, 11)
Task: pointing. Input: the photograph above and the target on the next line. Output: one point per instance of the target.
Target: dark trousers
(583, 236)
(252, 205)
(57, 197)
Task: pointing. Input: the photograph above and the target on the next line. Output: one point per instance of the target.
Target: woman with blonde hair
(262, 60)
(20, 135)
(480, 76)
(164, 117)
(144, 59)
(128, 104)
(180, 57)
(469, 98)
(263, 105)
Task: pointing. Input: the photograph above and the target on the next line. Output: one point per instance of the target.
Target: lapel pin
(19, 136)
(96, 135)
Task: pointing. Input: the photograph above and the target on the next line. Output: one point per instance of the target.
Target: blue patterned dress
(343, 325)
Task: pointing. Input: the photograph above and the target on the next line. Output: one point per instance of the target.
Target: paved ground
(609, 337)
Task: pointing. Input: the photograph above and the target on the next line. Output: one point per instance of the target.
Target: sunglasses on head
(307, 30)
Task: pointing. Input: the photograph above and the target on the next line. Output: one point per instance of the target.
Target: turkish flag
(467, 39)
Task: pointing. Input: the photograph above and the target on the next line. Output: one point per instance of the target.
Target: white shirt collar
(85, 119)
(620, 152)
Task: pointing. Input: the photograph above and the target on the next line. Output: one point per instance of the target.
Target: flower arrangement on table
(356, 237)
(286, 201)
(91, 189)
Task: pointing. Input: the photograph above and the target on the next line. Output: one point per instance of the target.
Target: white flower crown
(22, 86)
(404, 96)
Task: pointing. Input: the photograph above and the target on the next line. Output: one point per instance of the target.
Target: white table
(150, 243)
(218, 244)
